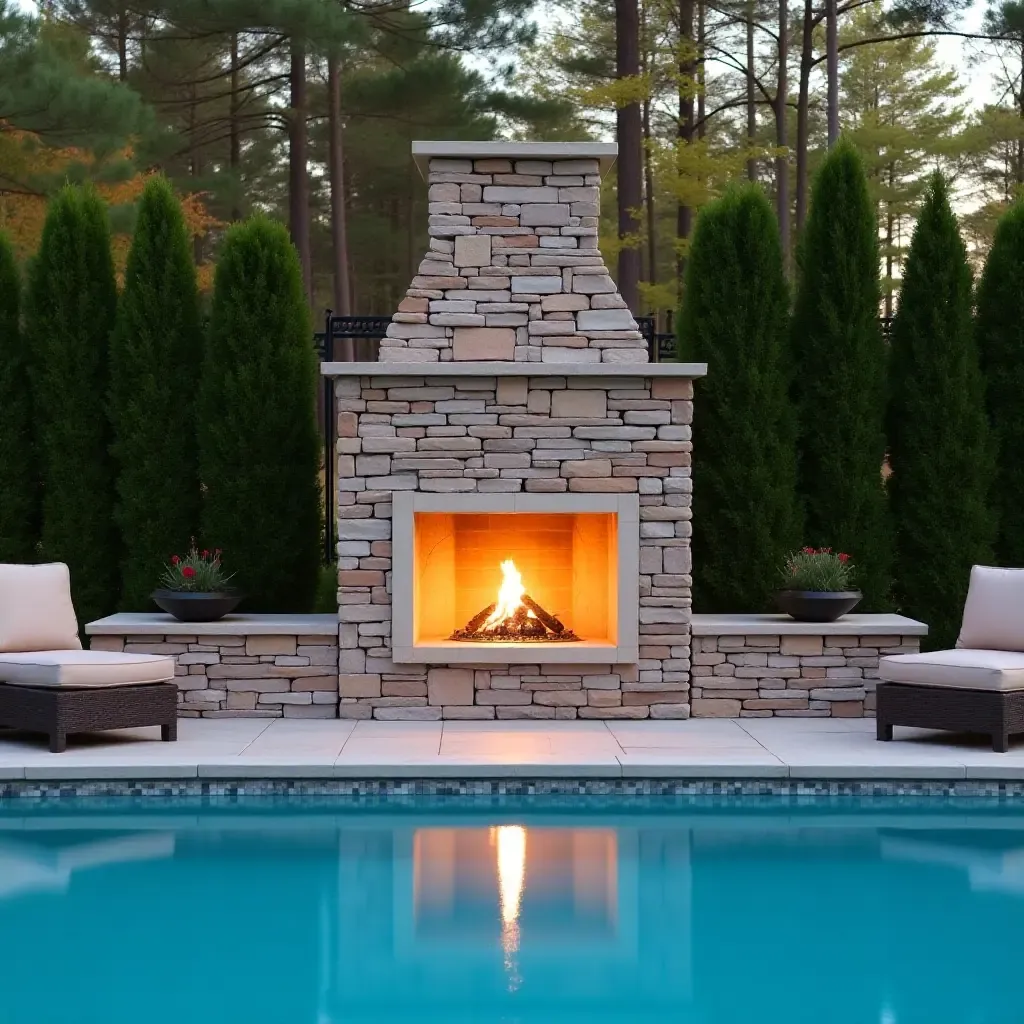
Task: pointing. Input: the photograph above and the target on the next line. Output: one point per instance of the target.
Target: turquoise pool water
(449, 911)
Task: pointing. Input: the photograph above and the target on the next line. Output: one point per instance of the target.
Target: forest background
(305, 109)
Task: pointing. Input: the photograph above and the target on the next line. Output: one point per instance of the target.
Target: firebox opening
(515, 578)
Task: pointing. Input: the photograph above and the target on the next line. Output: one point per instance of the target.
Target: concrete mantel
(511, 369)
(604, 152)
(783, 625)
(161, 624)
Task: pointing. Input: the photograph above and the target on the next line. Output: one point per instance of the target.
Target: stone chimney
(513, 271)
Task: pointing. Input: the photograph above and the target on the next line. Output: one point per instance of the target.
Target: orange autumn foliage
(25, 162)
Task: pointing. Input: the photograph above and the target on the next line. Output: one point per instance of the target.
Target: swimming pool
(335, 912)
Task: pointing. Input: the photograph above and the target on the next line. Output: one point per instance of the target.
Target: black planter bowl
(197, 607)
(817, 605)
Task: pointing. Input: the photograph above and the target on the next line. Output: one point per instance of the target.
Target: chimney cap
(604, 152)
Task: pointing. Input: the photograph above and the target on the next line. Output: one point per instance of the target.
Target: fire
(510, 595)
(514, 617)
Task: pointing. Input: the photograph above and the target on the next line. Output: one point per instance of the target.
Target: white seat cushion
(963, 668)
(80, 669)
(36, 613)
(994, 610)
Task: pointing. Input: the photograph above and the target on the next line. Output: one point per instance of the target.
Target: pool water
(758, 912)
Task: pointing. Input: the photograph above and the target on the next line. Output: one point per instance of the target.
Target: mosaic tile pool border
(395, 793)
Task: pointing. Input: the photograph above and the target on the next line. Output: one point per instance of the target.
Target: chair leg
(883, 730)
(169, 732)
(58, 741)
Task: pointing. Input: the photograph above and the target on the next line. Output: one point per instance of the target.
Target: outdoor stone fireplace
(513, 475)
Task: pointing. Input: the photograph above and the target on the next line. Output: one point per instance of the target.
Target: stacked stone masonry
(542, 434)
(254, 676)
(790, 676)
(513, 271)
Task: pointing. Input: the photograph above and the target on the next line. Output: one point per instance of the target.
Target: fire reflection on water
(511, 844)
(521, 888)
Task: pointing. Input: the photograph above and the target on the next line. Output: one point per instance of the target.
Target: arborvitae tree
(736, 318)
(258, 438)
(839, 384)
(19, 525)
(72, 304)
(155, 364)
(940, 446)
(1000, 328)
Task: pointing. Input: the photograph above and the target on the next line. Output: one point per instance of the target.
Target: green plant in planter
(199, 572)
(819, 570)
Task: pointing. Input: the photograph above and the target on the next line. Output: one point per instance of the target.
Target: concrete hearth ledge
(453, 368)
(160, 624)
(603, 152)
(783, 625)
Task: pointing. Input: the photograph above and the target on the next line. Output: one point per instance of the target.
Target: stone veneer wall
(255, 676)
(547, 434)
(513, 271)
(790, 676)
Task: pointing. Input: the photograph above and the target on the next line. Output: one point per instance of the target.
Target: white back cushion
(36, 613)
(994, 612)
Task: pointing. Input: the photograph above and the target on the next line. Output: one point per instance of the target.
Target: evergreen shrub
(736, 318)
(259, 451)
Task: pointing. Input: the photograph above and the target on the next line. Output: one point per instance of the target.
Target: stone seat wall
(238, 674)
(810, 671)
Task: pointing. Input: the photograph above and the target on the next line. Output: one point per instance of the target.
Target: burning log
(550, 621)
(480, 618)
(515, 616)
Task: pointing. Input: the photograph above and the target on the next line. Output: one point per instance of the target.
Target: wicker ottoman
(961, 690)
(62, 692)
(60, 712)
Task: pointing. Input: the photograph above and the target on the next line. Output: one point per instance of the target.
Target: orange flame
(510, 595)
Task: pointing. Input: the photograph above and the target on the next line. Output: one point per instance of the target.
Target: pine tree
(258, 442)
(839, 386)
(156, 354)
(72, 303)
(940, 447)
(736, 318)
(18, 481)
(1000, 328)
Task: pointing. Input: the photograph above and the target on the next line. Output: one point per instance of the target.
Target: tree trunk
(890, 224)
(751, 94)
(652, 248)
(339, 225)
(688, 71)
(298, 182)
(235, 139)
(630, 139)
(701, 99)
(802, 114)
(832, 70)
(1019, 168)
(782, 133)
(122, 45)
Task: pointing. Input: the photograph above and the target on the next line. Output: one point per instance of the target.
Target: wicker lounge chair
(976, 687)
(49, 684)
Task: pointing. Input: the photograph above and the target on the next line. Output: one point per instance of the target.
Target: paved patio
(712, 748)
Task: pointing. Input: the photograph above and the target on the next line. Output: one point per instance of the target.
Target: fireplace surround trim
(625, 651)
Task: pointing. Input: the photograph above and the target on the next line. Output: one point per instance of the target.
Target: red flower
(809, 551)
(204, 553)
(216, 552)
(188, 572)
(175, 559)
(843, 557)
